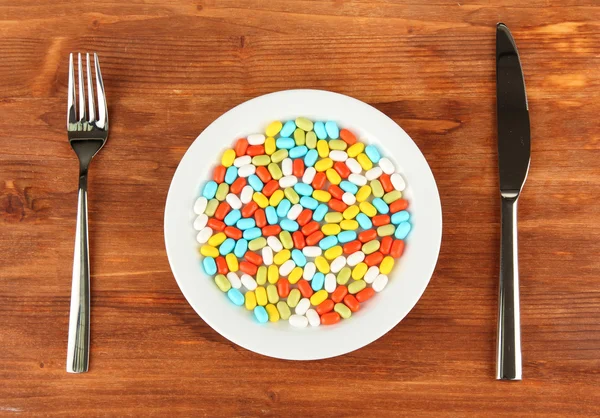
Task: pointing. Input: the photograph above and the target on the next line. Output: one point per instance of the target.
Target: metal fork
(87, 132)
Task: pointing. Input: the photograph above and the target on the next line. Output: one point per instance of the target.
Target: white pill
(298, 321)
(246, 170)
(243, 160)
(374, 173)
(302, 306)
(200, 222)
(309, 175)
(248, 282)
(380, 282)
(246, 195)
(338, 264)
(371, 274)
(337, 155)
(348, 198)
(287, 167)
(387, 166)
(267, 256)
(353, 165)
(200, 205)
(235, 281)
(295, 211)
(233, 201)
(330, 282)
(355, 258)
(398, 182)
(309, 271)
(313, 318)
(274, 243)
(357, 179)
(256, 139)
(287, 181)
(204, 235)
(286, 268)
(312, 251)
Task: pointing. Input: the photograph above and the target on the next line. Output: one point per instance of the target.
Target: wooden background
(170, 68)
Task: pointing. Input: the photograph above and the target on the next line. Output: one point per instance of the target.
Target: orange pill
(385, 181)
(342, 169)
(330, 318)
(221, 265)
(260, 218)
(398, 205)
(270, 188)
(219, 174)
(380, 220)
(337, 205)
(249, 209)
(339, 293)
(310, 227)
(240, 147)
(365, 294)
(335, 191)
(351, 302)
(237, 186)
(263, 174)
(232, 232)
(319, 181)
(373, 259)
(352, 247)
(283, 288)
(253, 258)
(397, 248)
(298, 239)
(325, 306)
(271, 230)
(298, 167)
(248, 268)
(386, 245)
(368, 235)
(304, 217)
(314, 238)
(215, 224)
(304, 288)
(254, 150)
(347, 136)
(222, 210)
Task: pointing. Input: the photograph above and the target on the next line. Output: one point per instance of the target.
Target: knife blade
(514, 149)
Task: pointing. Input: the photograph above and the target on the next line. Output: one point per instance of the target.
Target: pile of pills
(302, 223)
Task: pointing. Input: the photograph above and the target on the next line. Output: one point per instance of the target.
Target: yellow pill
(299, 137)
(222, 283)
(356, 286)
(333, 176)
(228, 157)
(272, 274)
(261, 275)
(222, 191)
(276, 197)
(260, 199)
(279, 156)
(322, 264)
(284, 310)
(261, 295)
(386, 230)
(281, 257)
(303, 123)
(257, 244)
(349, 225)
(377, 188)
(370, 247)
(311, 140)
(337, 144)
(211, 207)
(273, 128)
(270, 146)
(355, 149)
(333, 217)
(387, 264)
(250, 300)
(286, 239)
(359, 271)
(363, 193)
(261, 160)
(318, 297)
(333, 252)
(295, 275)
(392, 196)
(343, 276)
(343, 310)
(324, 164)
(272, 312)
(217, 239)
(275, 171)
(368, 209)
(351, 212)
(364, 161)
(331, 229)
(293, 298)
(291, 195)
(322, 196)
(272, 294)
(232, 262)
(322, 148)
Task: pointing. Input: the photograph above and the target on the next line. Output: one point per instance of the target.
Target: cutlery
(87, 131)
(514, 150)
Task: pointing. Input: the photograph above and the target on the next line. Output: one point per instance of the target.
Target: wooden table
(170, 68)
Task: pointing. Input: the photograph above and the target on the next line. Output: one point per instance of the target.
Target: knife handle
(508, 364)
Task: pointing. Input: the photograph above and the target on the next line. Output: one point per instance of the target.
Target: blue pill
(241, 246)
(227, 246)
(231, 174)
(288, 225)
(283, 208)
(364, 221)
(252, 233)
(261, 315)
(232, 217)
(235, 296)
(332, 130)
(209, 265)
(318, 281)
(303, 189)
(311, 158)
(210, 189)
(319, 128)
(380, 205)
(328, 242)
(308, 202)
(298, 257)
(402, 230)
(246, 223)
(288, 128)
(298, 152)
(271, 215)
(373, 153)
(346, 236)
(348, 187)
(285, 143)
(320, 212)
(255, 182)
(399, 217)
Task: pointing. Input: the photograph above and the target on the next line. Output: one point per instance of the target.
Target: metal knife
(514, 149)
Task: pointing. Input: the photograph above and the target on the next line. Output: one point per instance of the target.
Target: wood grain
(170, 68)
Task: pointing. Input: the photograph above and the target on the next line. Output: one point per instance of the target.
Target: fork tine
(90, 86)
(81, 92)
(71, 116)
(102, 110)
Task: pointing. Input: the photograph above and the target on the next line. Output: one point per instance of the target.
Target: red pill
(348, 136)
(386, 245)
(249, 209)
(215, 224)
(304, 288)
(304, 217)
(232, 232)
(283, 288)
(314, 238)
(222, 210)
(221, 265)
(398, 205)
(237, 186)
(263, 174)
(368, 235)
(352, 247)
(254, 150)
(253, 258)
(397, 248)
(319, 181)
(342, 169)
(248, 268)
(325, 306)
(373, 259)
(336, 192)
(330, 318)
(337, 205)
(339, 293)
(310, 227)
(271, 230)
(298, 167)
(385, 181)
(240, 147)
(365, 294)
(380, 220)
(260, 218)
(299, 241)
(219, 174)
(270, 188)
(351, 302)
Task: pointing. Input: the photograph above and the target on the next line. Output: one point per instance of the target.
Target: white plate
(377, 316)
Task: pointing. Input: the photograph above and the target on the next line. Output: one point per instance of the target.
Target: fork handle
(79, 321)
